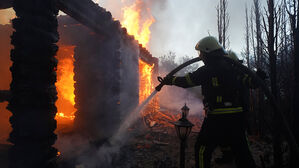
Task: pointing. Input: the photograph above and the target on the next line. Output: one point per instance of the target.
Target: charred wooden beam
(100, 21)
(90, 14)
(146, 56)
(4, 95)
(97, 87)
(4, 4)
(96, 18)
(33, 84)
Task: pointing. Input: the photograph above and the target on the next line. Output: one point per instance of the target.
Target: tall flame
(65, 83)
(136, 23)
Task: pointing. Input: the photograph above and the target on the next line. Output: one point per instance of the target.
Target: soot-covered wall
(106, 77)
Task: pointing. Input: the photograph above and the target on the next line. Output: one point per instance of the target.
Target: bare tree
(271, 24)
(223, 23)
(293, 12)
(247, 36)
(272, 39)
(252, 37)
(259, 41)
(258, 63)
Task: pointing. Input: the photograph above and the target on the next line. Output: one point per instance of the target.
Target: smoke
(78, 151)
(174, 98)
(102, 153)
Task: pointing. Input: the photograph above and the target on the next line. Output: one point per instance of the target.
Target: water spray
(118, 137)
(134, 114)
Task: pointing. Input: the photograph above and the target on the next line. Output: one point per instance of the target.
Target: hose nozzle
(159, 87)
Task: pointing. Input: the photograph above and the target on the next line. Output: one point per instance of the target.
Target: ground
(156, 147)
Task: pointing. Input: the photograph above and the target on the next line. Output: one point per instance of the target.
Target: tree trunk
(247, 51)
(258, 32)
(222, 23)
(294, 160)
(294, 22)
(296, 74)
(224, 2)
(273, 74)
(33, 84)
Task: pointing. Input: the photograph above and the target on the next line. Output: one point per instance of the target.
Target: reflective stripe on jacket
(226, 110)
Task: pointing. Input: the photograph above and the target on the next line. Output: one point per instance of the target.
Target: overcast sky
(180, 24)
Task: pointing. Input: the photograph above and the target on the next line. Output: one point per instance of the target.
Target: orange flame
(137, 24)
(145, 80)
(65, 84)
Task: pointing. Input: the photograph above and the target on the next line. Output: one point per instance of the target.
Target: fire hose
(279, 115)
(159, 87)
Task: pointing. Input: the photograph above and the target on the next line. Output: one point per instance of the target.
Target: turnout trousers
(223, 129)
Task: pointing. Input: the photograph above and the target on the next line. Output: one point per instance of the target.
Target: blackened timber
(4, 95)
(91, 15)
(33, 91)
(99, 20)
(4, 4)
(97, 86)
(146, 56)
(106, 77)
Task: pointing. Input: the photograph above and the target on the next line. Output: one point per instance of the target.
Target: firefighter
(222, 88)
(227, 155)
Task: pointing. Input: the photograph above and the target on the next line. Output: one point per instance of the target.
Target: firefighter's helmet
(208, 44)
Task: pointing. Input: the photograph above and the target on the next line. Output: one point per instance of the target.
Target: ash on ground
(154, 147)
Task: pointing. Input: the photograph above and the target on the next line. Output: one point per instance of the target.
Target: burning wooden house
(102, 74)
(100, 80)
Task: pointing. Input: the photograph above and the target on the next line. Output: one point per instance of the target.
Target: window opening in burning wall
(146, 87)
(145, 83)
(65, 86)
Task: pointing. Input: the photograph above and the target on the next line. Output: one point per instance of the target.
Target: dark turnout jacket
(223, 87)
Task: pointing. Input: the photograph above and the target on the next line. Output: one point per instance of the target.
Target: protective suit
(223, 88)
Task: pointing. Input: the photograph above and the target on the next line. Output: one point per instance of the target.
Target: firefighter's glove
(167, 80)
(262, 74)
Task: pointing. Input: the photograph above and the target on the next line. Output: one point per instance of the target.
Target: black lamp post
(183, 129)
